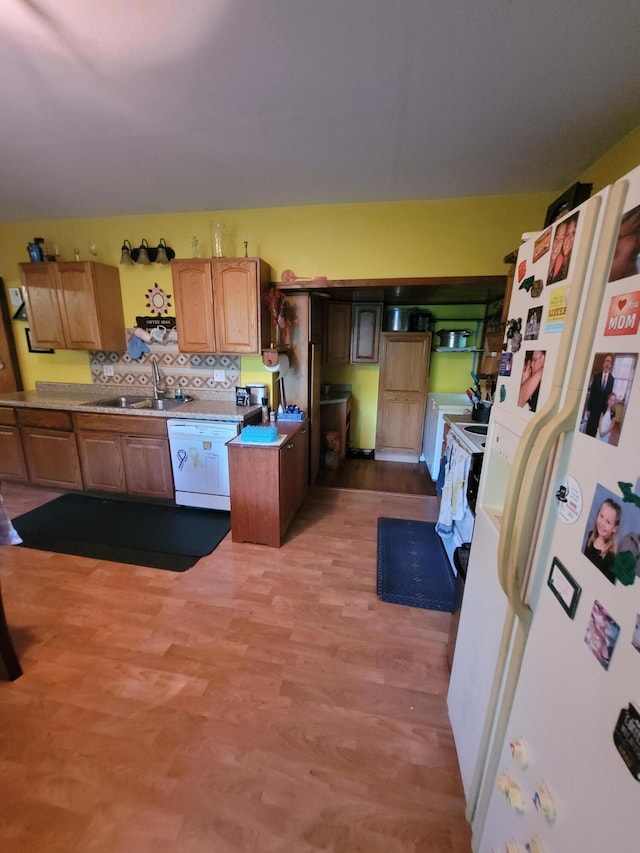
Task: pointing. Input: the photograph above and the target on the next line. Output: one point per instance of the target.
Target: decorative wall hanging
(158, 301)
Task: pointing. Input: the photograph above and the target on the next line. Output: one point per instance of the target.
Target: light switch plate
(15, 296)
(108, 370)
(218, 376)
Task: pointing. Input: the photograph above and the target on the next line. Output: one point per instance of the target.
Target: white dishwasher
(200, 462)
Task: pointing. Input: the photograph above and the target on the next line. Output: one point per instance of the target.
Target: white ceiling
(111, 107)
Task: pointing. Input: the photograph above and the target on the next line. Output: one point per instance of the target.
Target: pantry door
(402, 395)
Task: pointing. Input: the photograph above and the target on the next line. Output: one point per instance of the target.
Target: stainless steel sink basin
(137, 402)
(117, 402)
(169, 403)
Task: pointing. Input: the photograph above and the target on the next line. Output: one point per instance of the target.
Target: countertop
(335, 393)
(338, 397)
(69, 397)
(475, 443)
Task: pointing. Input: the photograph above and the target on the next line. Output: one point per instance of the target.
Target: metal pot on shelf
(453, 338)
(395, 319)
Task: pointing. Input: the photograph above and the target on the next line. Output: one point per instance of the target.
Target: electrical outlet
(108, 370)
(15, 296)
(219, 375)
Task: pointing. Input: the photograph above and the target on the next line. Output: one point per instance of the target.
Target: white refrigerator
(544, 698)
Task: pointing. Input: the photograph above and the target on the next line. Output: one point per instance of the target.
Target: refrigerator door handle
(525, 481)
(527, 484)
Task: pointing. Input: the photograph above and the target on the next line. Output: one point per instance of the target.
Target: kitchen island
(268, 484)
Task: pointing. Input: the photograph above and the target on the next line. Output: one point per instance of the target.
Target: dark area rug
(143, 534)
(413, 567)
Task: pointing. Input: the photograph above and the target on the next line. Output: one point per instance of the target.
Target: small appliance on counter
(243, 397)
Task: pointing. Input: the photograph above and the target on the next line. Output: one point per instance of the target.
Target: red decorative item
(276, 302)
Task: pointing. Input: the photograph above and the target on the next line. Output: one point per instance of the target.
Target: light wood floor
(265, 700)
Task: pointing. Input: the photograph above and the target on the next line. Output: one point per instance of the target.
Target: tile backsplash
(193, 372)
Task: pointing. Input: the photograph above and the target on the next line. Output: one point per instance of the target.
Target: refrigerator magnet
(565, 587)
(569, 499)
(602, 634)
(622, 317)
(506, 363)
(626, 737)
(542, 244)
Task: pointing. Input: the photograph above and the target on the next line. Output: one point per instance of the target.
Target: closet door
(402, 395)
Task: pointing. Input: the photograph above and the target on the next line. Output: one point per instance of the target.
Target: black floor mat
(162, 537)
(413, 567)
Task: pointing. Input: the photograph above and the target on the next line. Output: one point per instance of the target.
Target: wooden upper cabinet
(193, 295)
(365, 332)
(337, 339)
(74, 305)
(219, 305)
(238, 304)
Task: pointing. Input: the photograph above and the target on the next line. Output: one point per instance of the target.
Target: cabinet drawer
(122, 424)
(45, 419)
(8, 417)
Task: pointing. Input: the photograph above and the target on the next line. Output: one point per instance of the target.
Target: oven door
(473, 480)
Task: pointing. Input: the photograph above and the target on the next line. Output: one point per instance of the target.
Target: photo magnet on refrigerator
(602, 634)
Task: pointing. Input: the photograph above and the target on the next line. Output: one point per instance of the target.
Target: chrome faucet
(155, 376)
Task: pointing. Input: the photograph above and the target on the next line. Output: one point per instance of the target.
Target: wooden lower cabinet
(147, 465)
(268, 485)
(50, 448)
(12, 464)
(102, 461)
(126, 454)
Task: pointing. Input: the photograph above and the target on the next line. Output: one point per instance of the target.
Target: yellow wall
(451, 237)
(425, 238)
(619, 160)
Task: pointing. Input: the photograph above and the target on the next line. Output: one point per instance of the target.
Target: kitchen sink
(117, 402)
(163, 403)
(136, 402)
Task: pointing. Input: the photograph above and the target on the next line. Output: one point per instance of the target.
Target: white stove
(470, 434)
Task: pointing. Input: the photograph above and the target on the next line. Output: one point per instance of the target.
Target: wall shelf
(457, 349)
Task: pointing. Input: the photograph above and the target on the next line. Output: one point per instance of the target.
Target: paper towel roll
(282, 367)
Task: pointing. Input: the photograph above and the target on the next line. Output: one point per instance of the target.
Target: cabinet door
(365, 333)
(74, 305)
(12, 464)
(147, 464)
(43, 307)
(338, 333)
(52, 457)
(101, 460)
(78, 306)
(193, 294)
(236, 299)
(293, 476)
